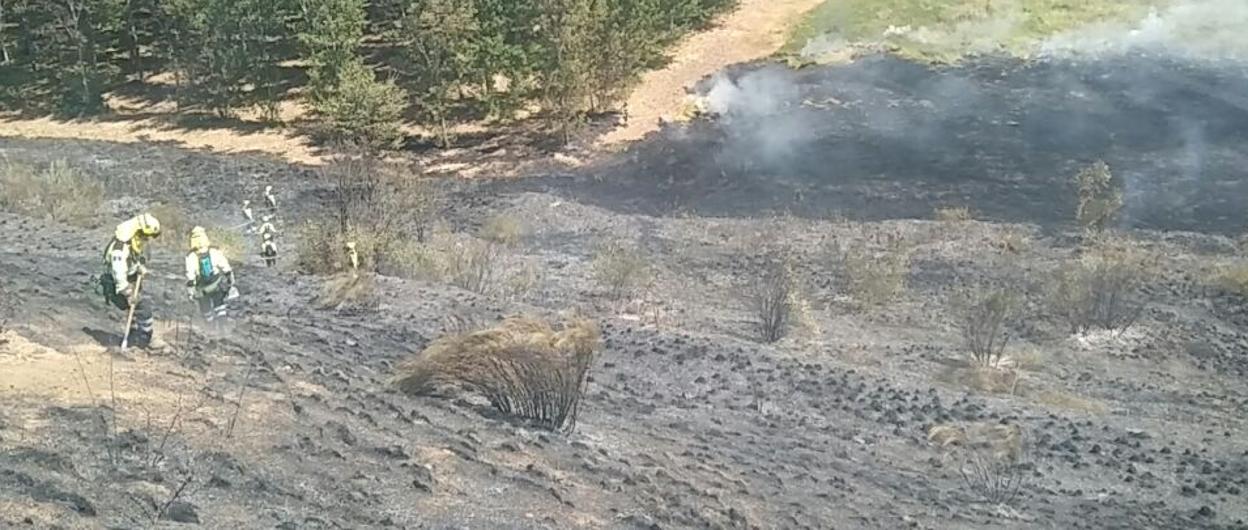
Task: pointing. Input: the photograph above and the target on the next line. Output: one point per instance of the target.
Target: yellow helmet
(199, 239)
(140, 225)
(148, 225)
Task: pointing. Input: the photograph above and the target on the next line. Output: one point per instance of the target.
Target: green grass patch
(944, 31)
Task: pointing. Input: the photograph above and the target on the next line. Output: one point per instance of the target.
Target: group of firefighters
(209, 276)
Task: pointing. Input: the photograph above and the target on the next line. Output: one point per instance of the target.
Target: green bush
(361, 109)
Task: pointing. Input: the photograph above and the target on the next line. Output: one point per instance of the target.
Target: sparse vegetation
(474, 265)
(620, 269)
(953, 214)
(375, 205)
(990, 458)
(348, 292)
(503, 229)
(1103, 287)
(986, 317)
(771, 301)
(875, 278)
(229, 242)
(947, 30)
(1232, 278)
(174, 225)
(524, 367)
(58, 192)
(1100, 197)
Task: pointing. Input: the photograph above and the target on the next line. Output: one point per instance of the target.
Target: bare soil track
(690, 423)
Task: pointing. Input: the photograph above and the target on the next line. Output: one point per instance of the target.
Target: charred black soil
(286, 418)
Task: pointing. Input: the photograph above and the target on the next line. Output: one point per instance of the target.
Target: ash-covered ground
(286, 420)
(884, 138)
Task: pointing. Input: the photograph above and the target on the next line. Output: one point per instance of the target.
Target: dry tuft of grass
(174, 224)
(228, 241)
(990, 458)
(474, 265)
(993, 379)
(1067, 401)
(620, 269)
(1232, 278)
(875, 278)
(347, 292)
(953, 214)
(503, 229)
(523, 366)
(58, 192)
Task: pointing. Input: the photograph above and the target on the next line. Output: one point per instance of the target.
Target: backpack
(206, 270)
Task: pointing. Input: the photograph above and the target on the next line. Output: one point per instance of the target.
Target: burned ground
(688, 421)
(884, 138)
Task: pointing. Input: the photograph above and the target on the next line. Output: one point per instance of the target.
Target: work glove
(140, 269)
(191, 292)
(127, 292)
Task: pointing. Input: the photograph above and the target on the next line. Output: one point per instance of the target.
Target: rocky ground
(284, 418)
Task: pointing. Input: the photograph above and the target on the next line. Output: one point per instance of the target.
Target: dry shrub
(1063, 400)
(875, 278)
(1100, 197)
(503, 229)
(526, 279)
(57, 192)
(1103, 287)
(474, 265)
(375, 204)
(986, 317)
(174, 225)
(1013, 242)
(1001, 379)
(1232, 278)
(990, 458)
(951, 214)
(349, 292)
(771, 301)
(523, 366)
(229, 241)
(620, 269)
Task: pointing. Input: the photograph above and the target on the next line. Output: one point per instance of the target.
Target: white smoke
(1196, 29)
(757, 111)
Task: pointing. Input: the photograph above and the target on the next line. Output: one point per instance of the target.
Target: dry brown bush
(873, 277)
(474, 265)
(1232, 278)
(503, 229)
(375, 204)
(990, 458)
(1100, 197)
(523, 366)
(986, 317)
(349, 292)
(950, 214)
(174, 225)
(770, 300)
(1103, 287)
(58, 192)
(620, 269)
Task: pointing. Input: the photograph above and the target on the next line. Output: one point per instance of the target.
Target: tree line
(362, 65)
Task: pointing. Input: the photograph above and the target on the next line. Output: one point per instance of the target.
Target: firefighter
(209, 278)
(125, 265)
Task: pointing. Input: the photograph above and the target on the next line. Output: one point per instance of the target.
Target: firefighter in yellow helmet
(209, 278)
(124, 262)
